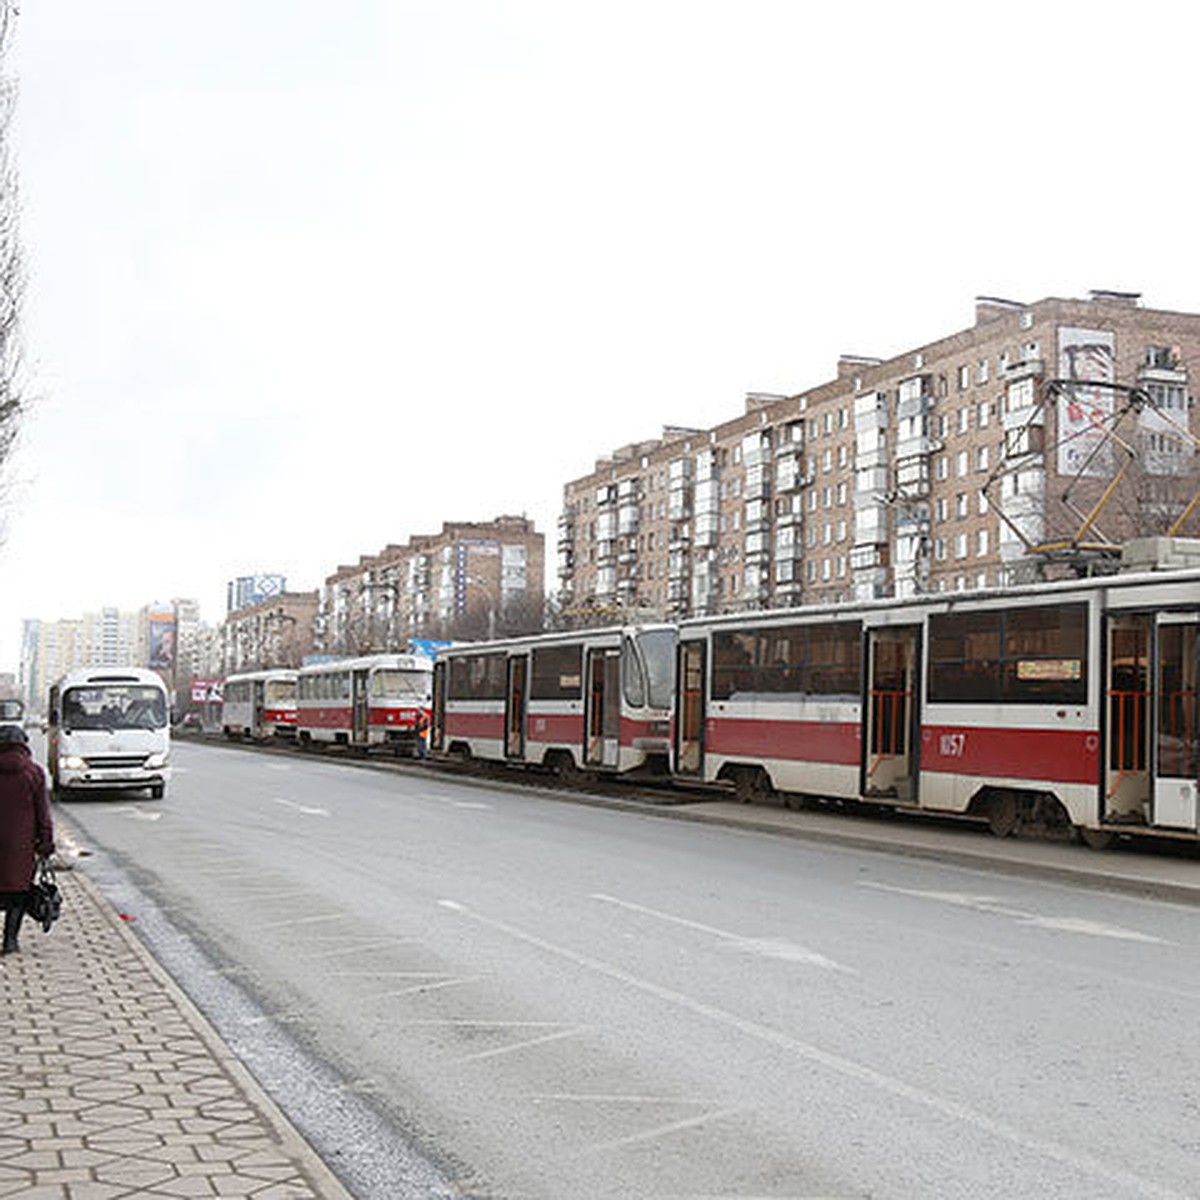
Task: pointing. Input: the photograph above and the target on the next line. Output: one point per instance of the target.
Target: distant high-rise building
(248, 590)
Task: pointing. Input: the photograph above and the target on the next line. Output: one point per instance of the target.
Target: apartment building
(274, 632)
(470, 580)
(107, 637)
(955, 465)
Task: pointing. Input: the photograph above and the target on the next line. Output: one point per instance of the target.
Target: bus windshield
(114, 706)
(658, 650)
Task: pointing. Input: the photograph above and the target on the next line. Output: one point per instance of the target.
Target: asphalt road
(505, 995)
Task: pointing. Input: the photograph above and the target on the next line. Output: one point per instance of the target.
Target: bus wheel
(751, 785)
(1096, 839)
(1003, 814)
(157, 791)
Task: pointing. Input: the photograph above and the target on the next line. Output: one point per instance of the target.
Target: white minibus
(109, 728)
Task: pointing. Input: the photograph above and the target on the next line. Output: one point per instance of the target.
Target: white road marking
(419, 988)
(608, 1098)
(291, 921)
(139, 814)
(274, 766)
(768, 947)
(302, 808)
(360, 948)
(660, 1131)
(942, 1106)
(990, 904)
(528, 1044)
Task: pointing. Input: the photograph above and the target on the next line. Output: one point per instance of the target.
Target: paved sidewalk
(112, 1085)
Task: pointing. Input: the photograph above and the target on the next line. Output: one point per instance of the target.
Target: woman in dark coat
(26, 828)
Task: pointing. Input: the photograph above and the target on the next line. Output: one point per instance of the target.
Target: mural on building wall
(1085, 413)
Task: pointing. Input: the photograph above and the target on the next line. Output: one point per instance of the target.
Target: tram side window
(1035, 655)
(789, 662)
(477, 677)
(557, 673)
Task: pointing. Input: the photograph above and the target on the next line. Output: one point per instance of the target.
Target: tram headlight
(73, 762)
(156, 761)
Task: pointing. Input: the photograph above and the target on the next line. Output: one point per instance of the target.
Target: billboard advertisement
(162, 641)
(1085, 413)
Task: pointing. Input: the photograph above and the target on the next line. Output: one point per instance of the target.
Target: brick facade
(940, 469)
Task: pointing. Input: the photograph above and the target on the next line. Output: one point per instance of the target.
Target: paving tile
(110, 1091)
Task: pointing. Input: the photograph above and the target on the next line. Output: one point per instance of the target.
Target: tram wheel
(1096, 839)
(1003, 814)
(751, 785)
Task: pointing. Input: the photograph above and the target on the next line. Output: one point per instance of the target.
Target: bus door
(1125, 779)
(515, 704)
(360, 708)
(1176, 722)
(689, 709)
(602, 718)
(437, 720)
(889, 760)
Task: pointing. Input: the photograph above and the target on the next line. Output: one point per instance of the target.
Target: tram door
(360, 708)
(258, 690)
(437, 721)
(889, 767)
(516, 698)
(602, 718)
(1177, 723)
(689, 709)
(1126, 788)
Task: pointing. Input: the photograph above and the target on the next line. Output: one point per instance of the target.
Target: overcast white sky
(306, 278)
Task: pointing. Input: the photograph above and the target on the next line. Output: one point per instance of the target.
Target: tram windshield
(658, 653)
(280, 691)
(114, 707)
(401, 685)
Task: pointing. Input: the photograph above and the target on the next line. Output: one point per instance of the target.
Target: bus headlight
(156, 762)
(73, 762)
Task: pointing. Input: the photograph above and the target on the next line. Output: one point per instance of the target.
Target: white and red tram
(374, 701)
(1057, 704)
(586, 701)
(259, 705)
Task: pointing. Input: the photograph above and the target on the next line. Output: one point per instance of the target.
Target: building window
(963, 464)
(981, 458)
(841, 493)
(981, 414)
(941, 468)
(981, 543)
(981, 371)
(961, 506)
(939, 549)
(983, 504)
(939, 508)
(964, 377)
(960, 546)
(964, 420)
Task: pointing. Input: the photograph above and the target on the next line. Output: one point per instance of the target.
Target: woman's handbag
(45, 901)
